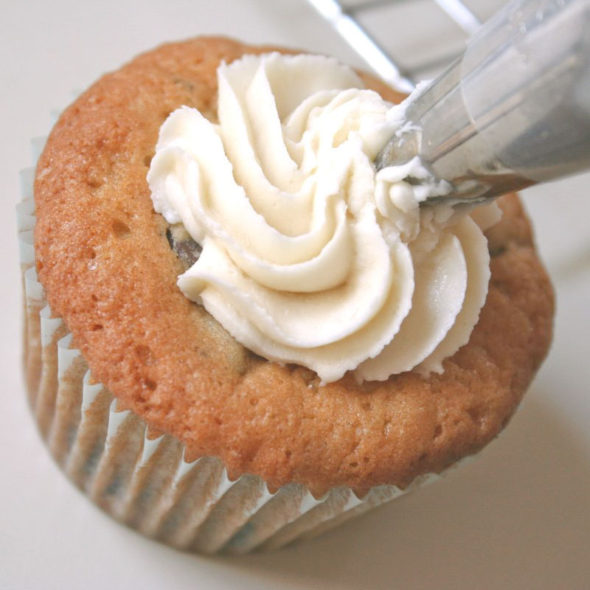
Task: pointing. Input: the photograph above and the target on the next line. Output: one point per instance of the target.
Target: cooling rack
(404, 41)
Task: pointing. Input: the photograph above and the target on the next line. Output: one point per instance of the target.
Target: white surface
(516, 518)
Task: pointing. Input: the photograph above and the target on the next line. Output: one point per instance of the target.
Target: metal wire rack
(404, 41)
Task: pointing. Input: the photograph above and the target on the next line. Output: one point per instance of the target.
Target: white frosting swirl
(309, 256)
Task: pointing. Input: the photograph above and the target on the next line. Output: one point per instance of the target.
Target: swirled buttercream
(308, 255)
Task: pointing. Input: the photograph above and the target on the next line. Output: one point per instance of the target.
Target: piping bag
(512, 111)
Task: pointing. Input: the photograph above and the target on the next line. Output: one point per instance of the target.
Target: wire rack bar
(460, 14)
(363, 43)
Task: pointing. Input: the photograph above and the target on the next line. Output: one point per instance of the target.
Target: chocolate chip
(183, 245)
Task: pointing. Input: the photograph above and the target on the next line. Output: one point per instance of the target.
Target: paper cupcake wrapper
(144, 481)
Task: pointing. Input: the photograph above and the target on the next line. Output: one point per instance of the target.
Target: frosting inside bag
(309, 255)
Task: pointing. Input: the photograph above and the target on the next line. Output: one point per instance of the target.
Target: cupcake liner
(142, 479)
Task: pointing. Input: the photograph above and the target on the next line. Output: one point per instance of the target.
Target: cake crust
(108, 271)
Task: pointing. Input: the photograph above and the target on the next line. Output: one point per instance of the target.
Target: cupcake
(237, 333)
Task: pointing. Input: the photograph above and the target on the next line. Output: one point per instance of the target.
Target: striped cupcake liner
(143, 480)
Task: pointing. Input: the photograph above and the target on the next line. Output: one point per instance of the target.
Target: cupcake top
(105, 259)
(309, 255)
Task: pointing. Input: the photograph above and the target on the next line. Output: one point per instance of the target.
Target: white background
(516, 518)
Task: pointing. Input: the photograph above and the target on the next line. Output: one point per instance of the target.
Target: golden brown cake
(107, 267)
